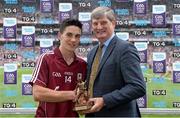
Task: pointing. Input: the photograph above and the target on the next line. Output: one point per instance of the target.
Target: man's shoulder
(49, 54)
(122, 43)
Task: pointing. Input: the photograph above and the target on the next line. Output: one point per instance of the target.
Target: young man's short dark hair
(70, 22)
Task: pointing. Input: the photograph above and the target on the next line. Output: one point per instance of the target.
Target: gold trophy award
(81, 103)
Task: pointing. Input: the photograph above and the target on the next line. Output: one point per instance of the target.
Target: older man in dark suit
(114, 78)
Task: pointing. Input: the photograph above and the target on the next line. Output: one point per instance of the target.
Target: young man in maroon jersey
(55, 75)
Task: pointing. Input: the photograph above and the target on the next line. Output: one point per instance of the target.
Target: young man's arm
(48, 95)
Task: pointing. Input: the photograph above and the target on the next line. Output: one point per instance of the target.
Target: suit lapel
(107, 53)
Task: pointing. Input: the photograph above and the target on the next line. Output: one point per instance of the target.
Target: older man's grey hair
(103, 11)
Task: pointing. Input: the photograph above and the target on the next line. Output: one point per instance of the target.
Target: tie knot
(101, 45)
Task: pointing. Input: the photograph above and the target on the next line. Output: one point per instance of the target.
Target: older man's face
(103, 28)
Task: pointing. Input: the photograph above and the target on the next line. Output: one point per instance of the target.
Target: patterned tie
(94, 69)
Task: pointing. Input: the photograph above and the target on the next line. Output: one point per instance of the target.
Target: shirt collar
(106, 43)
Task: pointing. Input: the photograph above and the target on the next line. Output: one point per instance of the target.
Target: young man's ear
(59, 36)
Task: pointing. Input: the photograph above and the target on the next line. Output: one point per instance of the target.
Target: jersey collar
(59, 54)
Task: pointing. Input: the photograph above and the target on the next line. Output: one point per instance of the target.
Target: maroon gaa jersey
(52, 72)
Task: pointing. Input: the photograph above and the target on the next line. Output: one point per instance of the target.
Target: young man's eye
(69, 34)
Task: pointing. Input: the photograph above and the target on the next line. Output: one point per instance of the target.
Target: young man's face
(70, 38)
(103, 28)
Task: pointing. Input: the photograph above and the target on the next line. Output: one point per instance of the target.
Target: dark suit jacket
(119, 79)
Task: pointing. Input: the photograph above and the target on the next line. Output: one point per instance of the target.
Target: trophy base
(80, 108)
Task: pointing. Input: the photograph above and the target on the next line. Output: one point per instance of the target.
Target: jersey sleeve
(40, 73)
